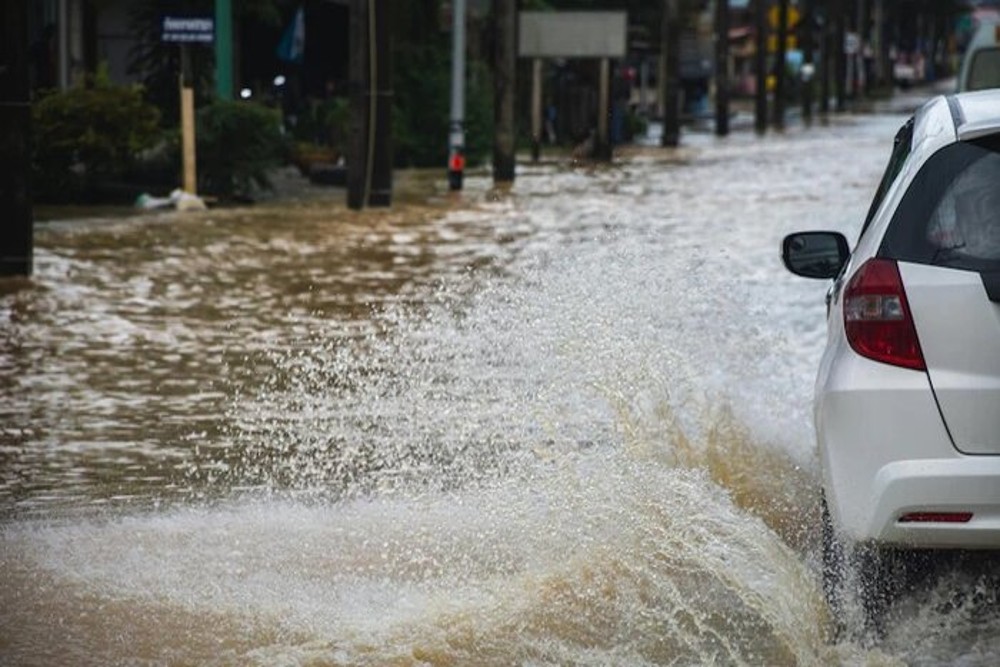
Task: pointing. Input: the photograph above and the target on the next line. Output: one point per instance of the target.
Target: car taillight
(877, 317)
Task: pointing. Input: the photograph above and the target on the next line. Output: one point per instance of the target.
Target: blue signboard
(188, 29)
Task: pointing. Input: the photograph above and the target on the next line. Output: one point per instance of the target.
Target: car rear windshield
(950, 215)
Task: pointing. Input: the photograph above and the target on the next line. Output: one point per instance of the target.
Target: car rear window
(950, 215)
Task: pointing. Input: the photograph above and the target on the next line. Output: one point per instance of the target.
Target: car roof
(979, 114)
(960, 117)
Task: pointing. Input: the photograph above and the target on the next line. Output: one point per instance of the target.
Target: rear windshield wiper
(945, 253)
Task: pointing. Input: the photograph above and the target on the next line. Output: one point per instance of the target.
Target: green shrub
(238, 142)
(325, 123)
(88, 134)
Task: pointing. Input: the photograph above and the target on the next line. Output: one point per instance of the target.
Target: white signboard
(187, 29)
(572, 34)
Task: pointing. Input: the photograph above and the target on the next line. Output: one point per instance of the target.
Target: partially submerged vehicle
(907, 402)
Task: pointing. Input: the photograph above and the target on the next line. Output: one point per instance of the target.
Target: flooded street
(568, 423)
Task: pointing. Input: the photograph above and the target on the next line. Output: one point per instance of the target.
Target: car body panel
(963, 362)
(954, 484)
(861, 429)
(979, 114)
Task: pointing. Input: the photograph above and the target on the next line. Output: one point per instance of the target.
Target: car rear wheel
(834, 574)
(864, 576)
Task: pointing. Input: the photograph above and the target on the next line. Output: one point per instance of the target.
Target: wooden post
(504, 90)
(16, 232)
(722, 67)
(536, 109)
(670, 60)
(187, 125)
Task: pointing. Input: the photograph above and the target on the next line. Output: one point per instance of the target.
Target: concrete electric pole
(504, 89)
(722, 67)
(16, 235)
(670, 57)
(369, 164)
(760, 66)
(224, 49)
(780, 65)
(456, 132)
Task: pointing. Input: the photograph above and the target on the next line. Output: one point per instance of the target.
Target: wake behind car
(907, 397)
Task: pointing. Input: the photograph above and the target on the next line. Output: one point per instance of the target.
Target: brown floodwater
(565, 422)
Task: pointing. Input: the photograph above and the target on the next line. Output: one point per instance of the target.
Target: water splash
(590, 445)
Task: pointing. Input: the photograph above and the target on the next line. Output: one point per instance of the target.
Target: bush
(238, 142)
(325, 123)
(89, 134)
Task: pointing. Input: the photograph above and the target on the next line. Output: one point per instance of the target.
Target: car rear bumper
(886, 453)
(948, 486)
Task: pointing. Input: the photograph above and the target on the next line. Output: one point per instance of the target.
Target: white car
(907, 403)
(981, 63)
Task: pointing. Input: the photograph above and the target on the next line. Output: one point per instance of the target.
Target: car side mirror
(815, 254)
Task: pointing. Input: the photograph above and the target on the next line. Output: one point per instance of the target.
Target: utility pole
(358, 87)
(369, 164)
(224, 49)
(722, 67)
(883, 67)
(760, 66)
(806, 27)
(380, 190)
(780, 65)
(602, 141)
(864, 32)
(839, 56)
(536, 109)
(670, 62)
(456, 135)
(504, 89)
(824, 58)
(16, 235)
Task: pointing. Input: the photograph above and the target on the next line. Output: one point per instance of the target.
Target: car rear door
(959, 330)
(945, 237)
